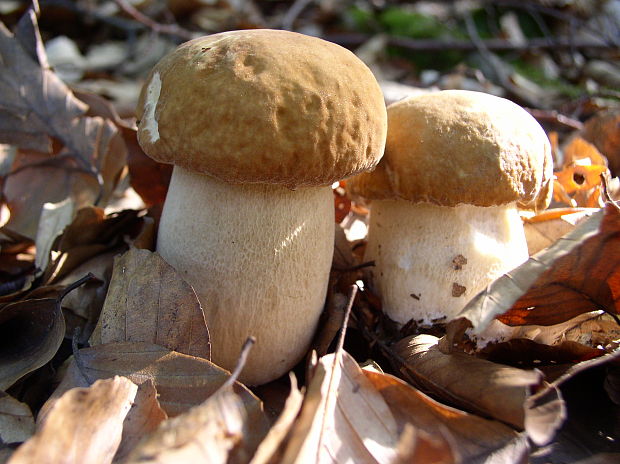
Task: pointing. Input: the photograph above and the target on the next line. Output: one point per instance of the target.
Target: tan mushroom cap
(461, 147)
(263, 106)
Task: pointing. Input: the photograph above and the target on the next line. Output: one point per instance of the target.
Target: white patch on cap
(152, 97)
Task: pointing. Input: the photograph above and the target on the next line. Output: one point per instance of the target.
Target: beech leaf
(578, 274)
(84, 425)
(343, 418)
(30, 333)
(219, 430)
(474, 384)
(148, 301)
(36, 106)
(182, 381)
(16, 421)
(469, 438)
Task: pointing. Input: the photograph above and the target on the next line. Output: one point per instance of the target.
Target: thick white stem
(258, 257)
(431, 260)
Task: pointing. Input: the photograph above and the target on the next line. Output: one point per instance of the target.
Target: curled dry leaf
(31, 331)
(181, 381)
(84, 426)
(89, 234)
(591, 431)
(16, 421)
(148, 301)
(467, 438)
(220, 430)
(35, 106)
(476, 385)
(578, 274)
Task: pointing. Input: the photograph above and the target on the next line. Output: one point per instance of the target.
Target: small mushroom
(444, 219)
(258, 124)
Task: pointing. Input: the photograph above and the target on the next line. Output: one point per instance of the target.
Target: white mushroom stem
(431, 260)
(258, 257)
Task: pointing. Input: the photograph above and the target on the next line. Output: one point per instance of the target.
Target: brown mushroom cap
(263, 106)
(461, 147)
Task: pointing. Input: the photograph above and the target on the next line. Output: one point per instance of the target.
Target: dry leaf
(468, 438)
(579, 149)
(267, 449)
(142, 419)
(16, 421)
(181, 381)
(591, 392)
(148, 301)
(35, 106)
(343, 418)
(53, 220)
(30, 332)
(149, 178)
(82, 306)
(578, 274)
(543, 230)
(586, 278)
(603, 130)
(220, 430)
(473, 384)
(84, 426)
(91, 233)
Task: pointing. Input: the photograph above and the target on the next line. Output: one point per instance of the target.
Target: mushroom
(258, 125)
(444, 219)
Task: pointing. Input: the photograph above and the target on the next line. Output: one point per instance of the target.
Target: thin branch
(243, 357)
(353, 40)
(169, 29)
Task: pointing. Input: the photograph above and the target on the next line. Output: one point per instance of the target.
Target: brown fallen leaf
(84, 425)
(587, 278)
(181, 381)
(603, 130)
(91, 233)
(473, 384)
(268, 448)
(591, 431)
(53, 220)
(578, 274)
(148, 301)
(343, 418)
(142, 419)
(31, 332)
(149, 178)
(543, 230)
(220, 430)
(468, 438)
(16, 421)
(36, 108)
(81, 308)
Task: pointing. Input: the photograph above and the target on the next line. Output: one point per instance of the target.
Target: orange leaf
(576, 177)
(586, 279)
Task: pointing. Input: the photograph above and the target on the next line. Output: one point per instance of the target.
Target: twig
(556, 118)
(243, 357)
(345, 320)
(293, 12)
(353, 40)
(170, 29)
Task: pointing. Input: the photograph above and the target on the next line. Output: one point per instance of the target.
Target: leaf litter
(77, 149)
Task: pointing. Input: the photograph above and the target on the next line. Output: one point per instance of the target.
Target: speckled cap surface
(263, 106)
(461, 147)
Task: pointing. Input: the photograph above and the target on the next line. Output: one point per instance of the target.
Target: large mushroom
(444, 219)
(258, 124)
